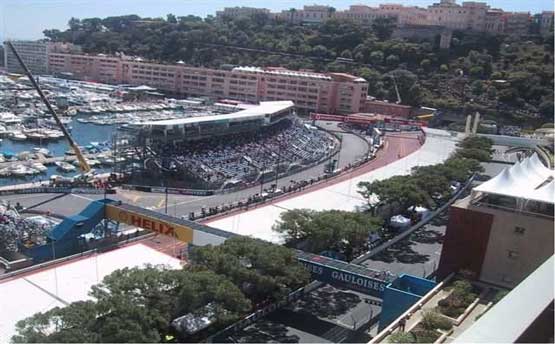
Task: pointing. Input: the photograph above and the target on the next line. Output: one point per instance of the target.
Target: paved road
(332, 313)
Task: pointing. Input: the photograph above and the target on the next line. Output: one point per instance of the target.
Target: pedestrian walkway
(468, 321)
(429, 306)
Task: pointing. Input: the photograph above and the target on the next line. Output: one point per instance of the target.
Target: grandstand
(194, 128)
(226, 150)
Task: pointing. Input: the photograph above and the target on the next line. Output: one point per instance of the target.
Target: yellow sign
(180, 232)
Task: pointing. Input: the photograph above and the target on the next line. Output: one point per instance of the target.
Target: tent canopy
(528, 179)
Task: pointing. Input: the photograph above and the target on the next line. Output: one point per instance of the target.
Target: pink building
(321, 92)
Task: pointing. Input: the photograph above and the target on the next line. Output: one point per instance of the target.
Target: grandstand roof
(528, 179)
(264, 108)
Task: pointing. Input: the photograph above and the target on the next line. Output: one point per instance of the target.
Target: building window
(512, 254)
(520, 230)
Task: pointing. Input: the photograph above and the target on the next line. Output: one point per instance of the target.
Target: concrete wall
(514, 141)
(529, 250)
(465, 242)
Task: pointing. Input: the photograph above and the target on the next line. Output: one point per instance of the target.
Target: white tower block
(468, 123)
(476, 122)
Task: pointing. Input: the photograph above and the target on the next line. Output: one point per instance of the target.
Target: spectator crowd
(242, 158)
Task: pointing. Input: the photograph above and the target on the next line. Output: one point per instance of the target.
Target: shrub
(426, 336)
(432, 320)
(455, 304)
(462, 287)
(402, 337)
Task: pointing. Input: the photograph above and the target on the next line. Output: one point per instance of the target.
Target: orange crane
(83, 164)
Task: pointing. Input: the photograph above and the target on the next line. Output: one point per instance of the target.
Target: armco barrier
(173, 191)
(50, 189)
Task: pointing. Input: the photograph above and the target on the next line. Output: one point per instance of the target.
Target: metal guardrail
(51, 189)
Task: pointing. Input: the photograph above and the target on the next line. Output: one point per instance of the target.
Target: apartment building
(504, 230)
(100, 68)
(240, 12)
(546, 22)
(321, 92)
(33, 53)
(471, 15)
(313, 14)
(518, 23)
(359, 13)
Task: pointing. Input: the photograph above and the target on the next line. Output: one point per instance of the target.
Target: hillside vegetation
(505, 78)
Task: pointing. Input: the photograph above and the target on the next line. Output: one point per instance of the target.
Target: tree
(170, 18)
(477, 87)
(320, 51)
(402, 191)
(473, 153)
(375, 85)
(477, 142)
(341, 231)
(426, 64)
(74, 24)
(392, 60)
(476, 71)
(433, 179)
(136, 305)
(262, 271)
(376, 57)
(443, 68)
(74, 323)
(346, 54)
(407, 84)
(546, 109)
(460, 168)
(383, 27)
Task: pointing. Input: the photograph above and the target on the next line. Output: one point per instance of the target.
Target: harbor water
(82, 133)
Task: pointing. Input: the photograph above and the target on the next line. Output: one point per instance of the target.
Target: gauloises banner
(178, 231)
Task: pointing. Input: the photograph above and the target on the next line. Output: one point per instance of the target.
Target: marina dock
(52, 160)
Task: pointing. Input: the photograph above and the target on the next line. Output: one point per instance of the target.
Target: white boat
(104, 160)
(39, 167)
(22, 171)
(64, 166)
(18, 136)
(5, 172)
(9, 118)
(91, 162)
(3, 131)
(53, 134)
(42, 151)
(36, 135)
